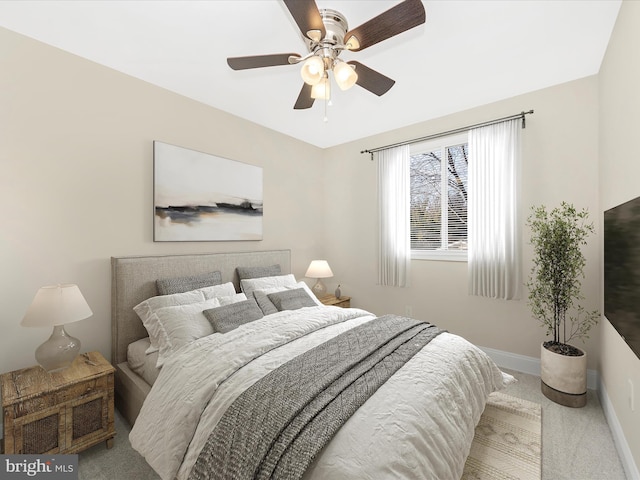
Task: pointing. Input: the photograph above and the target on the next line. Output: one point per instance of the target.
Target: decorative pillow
(309, 292)
(248, 285)
(267, 306)
(180, 325)
(291, 299)
(229, 317)
(258, 272)
(263, 301)
(168, 286)
(147, 308)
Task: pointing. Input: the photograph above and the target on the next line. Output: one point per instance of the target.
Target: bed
(204, 414)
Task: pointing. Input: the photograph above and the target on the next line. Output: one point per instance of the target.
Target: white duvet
(418, 425)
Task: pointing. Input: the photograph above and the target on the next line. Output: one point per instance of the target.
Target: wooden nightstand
(61, 412)
(344, 302)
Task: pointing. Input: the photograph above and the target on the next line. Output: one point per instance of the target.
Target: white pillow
(222, 290)
(183, 324)
(248, 285)
(235, 298)
(147, 308)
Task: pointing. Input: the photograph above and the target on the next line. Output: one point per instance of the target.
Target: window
(439, 199)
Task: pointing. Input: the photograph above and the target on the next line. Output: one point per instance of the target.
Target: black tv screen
(622, 271)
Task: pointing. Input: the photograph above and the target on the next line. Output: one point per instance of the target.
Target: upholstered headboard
(133, 279)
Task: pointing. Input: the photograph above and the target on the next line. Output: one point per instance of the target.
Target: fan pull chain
(327, 101)
(326, 118)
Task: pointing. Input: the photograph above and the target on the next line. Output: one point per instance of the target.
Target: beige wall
(560, 162)
(619, 181)
(76, 189)
(76, 182)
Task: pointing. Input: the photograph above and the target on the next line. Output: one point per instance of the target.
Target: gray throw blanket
(276, 427)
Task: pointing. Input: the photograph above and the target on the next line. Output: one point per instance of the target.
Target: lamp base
(59, 351)
(319, 289)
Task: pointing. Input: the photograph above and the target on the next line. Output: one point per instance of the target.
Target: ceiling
(468, 53)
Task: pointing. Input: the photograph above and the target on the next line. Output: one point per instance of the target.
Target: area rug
(508, 441)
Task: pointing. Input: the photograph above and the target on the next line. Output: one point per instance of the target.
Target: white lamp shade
(312, 70)
(322, 90)
(345, 75)
(319, 269)
(56, 305)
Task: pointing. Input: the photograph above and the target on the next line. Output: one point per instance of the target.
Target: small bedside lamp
(319, 269)
(53, 306)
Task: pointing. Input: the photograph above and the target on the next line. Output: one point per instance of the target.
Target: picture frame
(200, 197)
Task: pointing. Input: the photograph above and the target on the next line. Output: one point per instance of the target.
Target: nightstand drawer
(63, 395)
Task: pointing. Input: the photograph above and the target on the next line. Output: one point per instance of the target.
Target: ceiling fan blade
(258, 61)
(308, 18)
(371, 80)
(398, 19)
(304, 99)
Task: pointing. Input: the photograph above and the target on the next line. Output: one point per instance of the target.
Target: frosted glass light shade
(54, 306)
(312, 70)
(319, 269)
(322, 90)
(345, 75)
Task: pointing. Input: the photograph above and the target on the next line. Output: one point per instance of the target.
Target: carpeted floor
(576, 443)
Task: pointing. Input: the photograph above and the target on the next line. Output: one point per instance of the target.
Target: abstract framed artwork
(200, 197)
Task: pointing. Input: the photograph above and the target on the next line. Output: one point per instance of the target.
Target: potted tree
(555, 285)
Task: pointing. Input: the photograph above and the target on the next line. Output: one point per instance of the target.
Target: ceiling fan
(326, 36)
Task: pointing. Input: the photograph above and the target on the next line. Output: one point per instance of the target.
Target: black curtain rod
(450, 132)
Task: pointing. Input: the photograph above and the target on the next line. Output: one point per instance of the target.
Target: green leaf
(558, 267)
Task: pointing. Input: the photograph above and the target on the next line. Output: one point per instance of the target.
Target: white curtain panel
(494, 254)
(393, 216)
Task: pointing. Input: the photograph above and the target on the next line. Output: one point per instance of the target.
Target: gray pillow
(264, 303)
(169, 286)
(258, 272)
(228, 317)
(291, 299)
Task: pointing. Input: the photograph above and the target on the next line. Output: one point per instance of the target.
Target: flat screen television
(622, 271)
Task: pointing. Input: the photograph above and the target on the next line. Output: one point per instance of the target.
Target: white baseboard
(531, 365)
(630, 468)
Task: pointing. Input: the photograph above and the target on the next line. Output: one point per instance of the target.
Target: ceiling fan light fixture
(314, 35)
(352, 43)
(312, 70)
(322, 90)
(345, 75)
(327, 34)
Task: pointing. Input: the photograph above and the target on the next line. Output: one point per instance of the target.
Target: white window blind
(438, 198)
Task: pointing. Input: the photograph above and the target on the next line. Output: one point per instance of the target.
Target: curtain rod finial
(369, 152)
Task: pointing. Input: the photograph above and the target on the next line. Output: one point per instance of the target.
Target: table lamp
(319, 269)
(54, 306)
